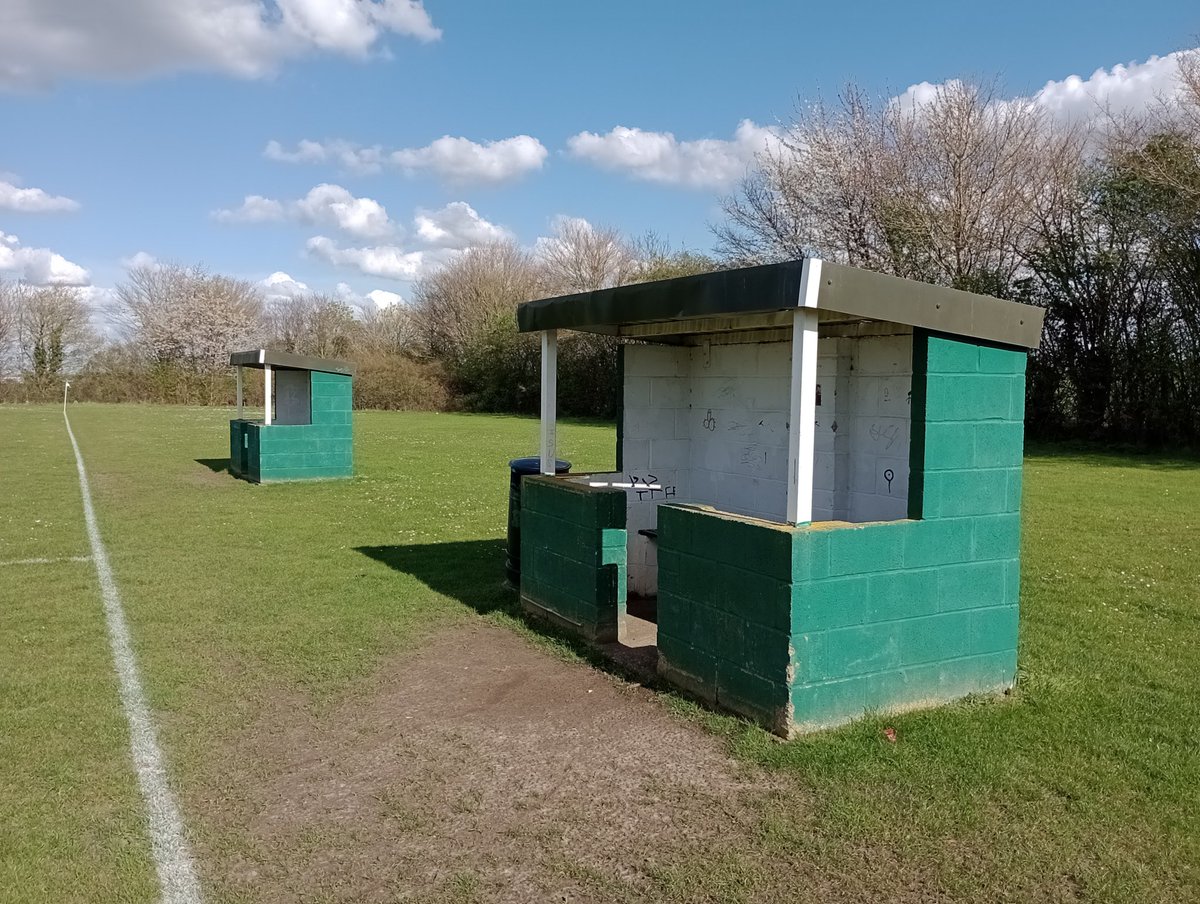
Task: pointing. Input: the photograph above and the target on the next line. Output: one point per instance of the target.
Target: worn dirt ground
(480, 767)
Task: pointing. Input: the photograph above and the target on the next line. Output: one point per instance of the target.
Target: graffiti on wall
(886, 433)
(649, 488)
(646, 489)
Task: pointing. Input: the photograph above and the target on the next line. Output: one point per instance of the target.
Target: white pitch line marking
(46, 561)
(172, 856)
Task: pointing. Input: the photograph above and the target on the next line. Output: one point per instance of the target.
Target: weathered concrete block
(952, 356)
(971, 585)
(996, 537)
(932, 638)
(573, 555)
(829, 603)
(950, 445)
(866, 549)
(995, 359)
(902, 594)
(968, 397)
(830, 703)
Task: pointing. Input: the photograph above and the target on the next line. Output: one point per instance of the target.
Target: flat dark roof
(261, 357)
(845, 293)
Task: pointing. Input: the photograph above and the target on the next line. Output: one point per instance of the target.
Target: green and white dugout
(306, 431)
(818, 478)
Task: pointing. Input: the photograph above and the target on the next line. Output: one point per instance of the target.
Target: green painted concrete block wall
(573, 555)
(724, 610)
(319, 450)
(239, 453)
(810, 627)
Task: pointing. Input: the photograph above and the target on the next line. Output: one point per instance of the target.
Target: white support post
(549, 399)
(803, 415)
(267, 392)
(239, 391)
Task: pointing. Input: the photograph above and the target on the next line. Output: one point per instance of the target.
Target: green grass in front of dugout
(1079, 787)
(71, 824)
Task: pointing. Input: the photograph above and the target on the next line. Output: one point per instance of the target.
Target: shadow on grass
(216, 465)
(472, 572)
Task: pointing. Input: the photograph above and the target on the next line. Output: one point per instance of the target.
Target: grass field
(1081, 787)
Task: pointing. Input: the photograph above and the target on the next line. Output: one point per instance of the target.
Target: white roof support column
(803, 416)
(549, 399)
(267, 393)
(239, 391)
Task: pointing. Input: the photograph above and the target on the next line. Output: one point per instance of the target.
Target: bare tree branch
(53, 331)
(580, 257)
(948, 190)
(188, 317)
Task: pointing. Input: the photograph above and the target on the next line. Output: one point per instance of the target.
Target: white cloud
(347, 155)
(1122, 89)
(439, 234)
(406, 17)
(387, 261)
(345, 293)
(99, 298)
(458, 161)
(461, 161)
(31, 200)
(457, 225)
(283, 282)
(361, 217)
(384, 298)
(914, 97)
(102, 302)
(324, 204)
(375, 300)
(254, 209)
(280, 285)
(306, 152)
(547, 245)
(139, 259)
(39, 266)
(707, 163)
(47, 40)
(1125, 88)
(715, 164)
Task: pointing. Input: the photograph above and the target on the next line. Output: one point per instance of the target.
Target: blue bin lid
(533, 465)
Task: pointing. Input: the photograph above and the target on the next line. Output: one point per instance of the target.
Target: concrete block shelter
(306, 430)
(818, 489)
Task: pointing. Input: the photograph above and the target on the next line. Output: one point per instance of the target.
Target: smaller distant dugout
(306, 432)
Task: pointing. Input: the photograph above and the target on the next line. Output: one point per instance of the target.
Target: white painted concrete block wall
(739, 427)
(831, 442)
(709, 425)
(655, 452)
(879, 426)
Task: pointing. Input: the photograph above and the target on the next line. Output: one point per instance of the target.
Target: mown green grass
(232, 591)
(1082, 786)
(70, 819)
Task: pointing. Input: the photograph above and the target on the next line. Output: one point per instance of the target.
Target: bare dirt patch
(481, 768)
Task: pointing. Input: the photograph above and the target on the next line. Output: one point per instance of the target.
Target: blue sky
(128, 130)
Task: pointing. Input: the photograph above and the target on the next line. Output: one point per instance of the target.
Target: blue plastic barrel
(518, 468)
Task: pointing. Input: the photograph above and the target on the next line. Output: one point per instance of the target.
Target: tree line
(171, 328)
(1098, 224)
